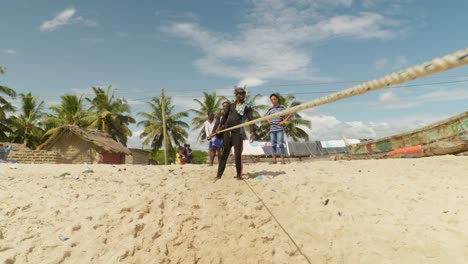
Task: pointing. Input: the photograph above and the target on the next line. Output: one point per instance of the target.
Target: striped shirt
(274, 121)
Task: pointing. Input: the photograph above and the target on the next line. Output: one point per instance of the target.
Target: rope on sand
(272, 215)
(445, 63)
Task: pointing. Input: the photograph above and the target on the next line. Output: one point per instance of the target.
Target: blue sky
(51, 48)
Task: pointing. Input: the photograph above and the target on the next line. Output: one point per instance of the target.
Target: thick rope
(272, 215)
(445, 63)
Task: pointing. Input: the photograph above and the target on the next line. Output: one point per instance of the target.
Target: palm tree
(153, 125)
(250, 100)
(291, 128)
(69, 112)
(107, 114)
(256, 109)
(26, 128)
(210, 103)
(5, 107)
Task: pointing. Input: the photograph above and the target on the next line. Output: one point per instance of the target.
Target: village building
(138, 156)
(79, 145)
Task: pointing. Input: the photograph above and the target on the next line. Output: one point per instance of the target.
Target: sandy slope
(385, 211)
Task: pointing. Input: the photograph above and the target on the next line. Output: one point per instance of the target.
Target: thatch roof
(139, 150)
(101, 140)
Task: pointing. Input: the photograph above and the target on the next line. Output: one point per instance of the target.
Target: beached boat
(449, 136)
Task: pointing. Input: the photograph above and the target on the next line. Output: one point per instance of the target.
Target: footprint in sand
(156, 235)
(126, 210)
(76, 228)
(268, 239)
(138, 229)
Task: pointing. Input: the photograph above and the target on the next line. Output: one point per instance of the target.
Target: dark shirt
(232, 118)
(188, 155)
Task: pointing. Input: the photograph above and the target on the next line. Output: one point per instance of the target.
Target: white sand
(384, 211)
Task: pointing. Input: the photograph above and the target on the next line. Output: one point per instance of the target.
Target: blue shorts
(217, 143)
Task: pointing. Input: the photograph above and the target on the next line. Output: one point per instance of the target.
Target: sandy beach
(372, 211)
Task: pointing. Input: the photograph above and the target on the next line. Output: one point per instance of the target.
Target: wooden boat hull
(448, 134)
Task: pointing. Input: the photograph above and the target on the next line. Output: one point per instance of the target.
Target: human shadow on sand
(251, 175)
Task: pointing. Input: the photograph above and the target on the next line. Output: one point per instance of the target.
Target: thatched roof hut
(77, 145)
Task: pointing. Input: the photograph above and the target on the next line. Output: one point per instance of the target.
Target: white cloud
(134, 102)
(392, 101)
(388, 97)
(66, 17)
(401, 105)
(365, 26)
(445, 95)
(134, 141)
(185, 103)
(83, 91)
(326, 127)
(381, 64)
(51, 103)
(385, 64)
(274, 39)
(9, 51)
(400, 62)
(85, 22)
(62, 19)
(340, 2)
(250, 82)
(263, 100)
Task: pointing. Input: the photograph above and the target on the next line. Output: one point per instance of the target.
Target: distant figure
(217, 138)
(277, 128)
(188, 154)
(213, 144)
(4, 152)
(238, 112)
(180, 158)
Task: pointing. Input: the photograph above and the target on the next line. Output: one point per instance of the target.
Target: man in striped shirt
(277, 128)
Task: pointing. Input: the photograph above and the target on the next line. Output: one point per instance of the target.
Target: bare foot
(215, 179)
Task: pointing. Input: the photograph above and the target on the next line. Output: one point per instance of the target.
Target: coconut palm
(5, 107)
(291, 129)
(107, 114)
(256, 109)
(210, 103)
(153, 125)
(69, 112)
(26, 128)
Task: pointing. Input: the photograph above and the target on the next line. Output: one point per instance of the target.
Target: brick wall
(35, 156)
